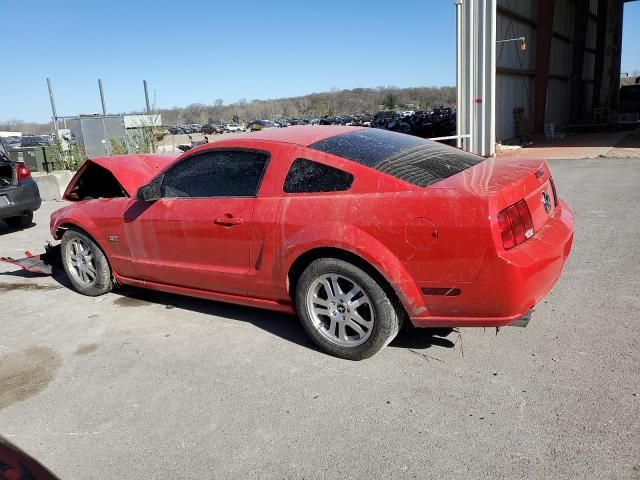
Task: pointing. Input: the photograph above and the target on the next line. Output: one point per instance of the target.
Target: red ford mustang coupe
(355, 229)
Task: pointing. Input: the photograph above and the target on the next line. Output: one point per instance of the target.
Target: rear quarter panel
(413, 236)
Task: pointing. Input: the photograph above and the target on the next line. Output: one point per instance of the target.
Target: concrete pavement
(138, 384)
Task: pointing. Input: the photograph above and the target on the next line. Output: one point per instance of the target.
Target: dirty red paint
(420, 239)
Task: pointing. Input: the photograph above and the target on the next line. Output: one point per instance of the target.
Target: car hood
(131, 171)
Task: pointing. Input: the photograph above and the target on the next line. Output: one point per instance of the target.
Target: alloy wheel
(81, 262)
(340, 309)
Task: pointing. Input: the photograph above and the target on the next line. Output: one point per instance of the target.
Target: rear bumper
(510, 283)
(25, 197)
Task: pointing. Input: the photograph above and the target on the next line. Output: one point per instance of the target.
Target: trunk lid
(508, 182)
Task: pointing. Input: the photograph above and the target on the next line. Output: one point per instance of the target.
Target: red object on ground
(448, 236)
(17, 465)
(31, 263)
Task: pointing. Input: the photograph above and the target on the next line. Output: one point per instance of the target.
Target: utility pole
(53, 107)
(146, 96)
(104, 108)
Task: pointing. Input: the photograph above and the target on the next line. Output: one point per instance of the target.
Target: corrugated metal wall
(514, 90)
(526, 8)
(559, 89)
(516, 69)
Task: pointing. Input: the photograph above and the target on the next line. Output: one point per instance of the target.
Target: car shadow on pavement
(5, 229)
(282, 325)
(421, 338)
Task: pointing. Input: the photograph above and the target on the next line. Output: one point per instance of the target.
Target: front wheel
(85, 264)
(344, 310)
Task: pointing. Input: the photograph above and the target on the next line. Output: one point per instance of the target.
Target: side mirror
(149, 192)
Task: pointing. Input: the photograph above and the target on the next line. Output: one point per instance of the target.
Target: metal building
(94, 133)
(553, 61)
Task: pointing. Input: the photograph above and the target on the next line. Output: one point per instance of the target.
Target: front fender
(358, 242)
(72, 215)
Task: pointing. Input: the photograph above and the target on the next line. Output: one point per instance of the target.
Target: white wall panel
(512, 91)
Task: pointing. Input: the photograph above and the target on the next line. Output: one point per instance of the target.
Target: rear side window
(306, 176)
(216, 174)
(412, 159)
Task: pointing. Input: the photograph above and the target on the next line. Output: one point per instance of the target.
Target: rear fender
(365, 246)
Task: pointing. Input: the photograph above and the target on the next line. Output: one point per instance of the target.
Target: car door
(198, 234)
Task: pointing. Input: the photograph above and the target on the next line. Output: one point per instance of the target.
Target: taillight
(515, 224)
(23, 172)
(555, 194)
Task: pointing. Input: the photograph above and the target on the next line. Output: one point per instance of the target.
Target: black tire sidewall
(20, 221)
(387, 322)
(103, 283)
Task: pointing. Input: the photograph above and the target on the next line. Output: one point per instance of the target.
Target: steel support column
(616, 60)
(476, 74)
(601, 39)
(580, 21)
(544, 35)
(608, 54)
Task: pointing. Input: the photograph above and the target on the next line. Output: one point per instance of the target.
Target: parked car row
(28, 141)
(208, 129)
(439, 122)
(182, 129)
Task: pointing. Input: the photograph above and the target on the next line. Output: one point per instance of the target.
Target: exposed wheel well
(64, 227)
(306, 258)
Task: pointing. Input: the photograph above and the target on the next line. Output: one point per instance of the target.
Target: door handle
(228, 221)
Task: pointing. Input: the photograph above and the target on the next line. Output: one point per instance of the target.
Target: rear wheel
(85, 264)
(21, 221)
(344, 310)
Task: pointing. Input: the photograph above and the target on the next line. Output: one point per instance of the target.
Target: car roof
(303, 135)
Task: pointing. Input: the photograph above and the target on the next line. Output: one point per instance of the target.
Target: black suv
(19, 194)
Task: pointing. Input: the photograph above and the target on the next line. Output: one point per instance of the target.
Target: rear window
(412, 159)
(306, 176)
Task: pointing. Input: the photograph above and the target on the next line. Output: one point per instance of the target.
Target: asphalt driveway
(138, 384)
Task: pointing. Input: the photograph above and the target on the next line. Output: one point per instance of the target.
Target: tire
(356, 325)
(85, 264)
(21, 221)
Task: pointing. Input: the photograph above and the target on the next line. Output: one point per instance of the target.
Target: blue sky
(197, 51)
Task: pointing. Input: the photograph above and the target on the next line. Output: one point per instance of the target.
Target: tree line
(333, 102)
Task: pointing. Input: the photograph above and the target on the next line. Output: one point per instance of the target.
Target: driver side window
(216, 174)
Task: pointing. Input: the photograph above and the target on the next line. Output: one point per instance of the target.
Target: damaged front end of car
(118, 176)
